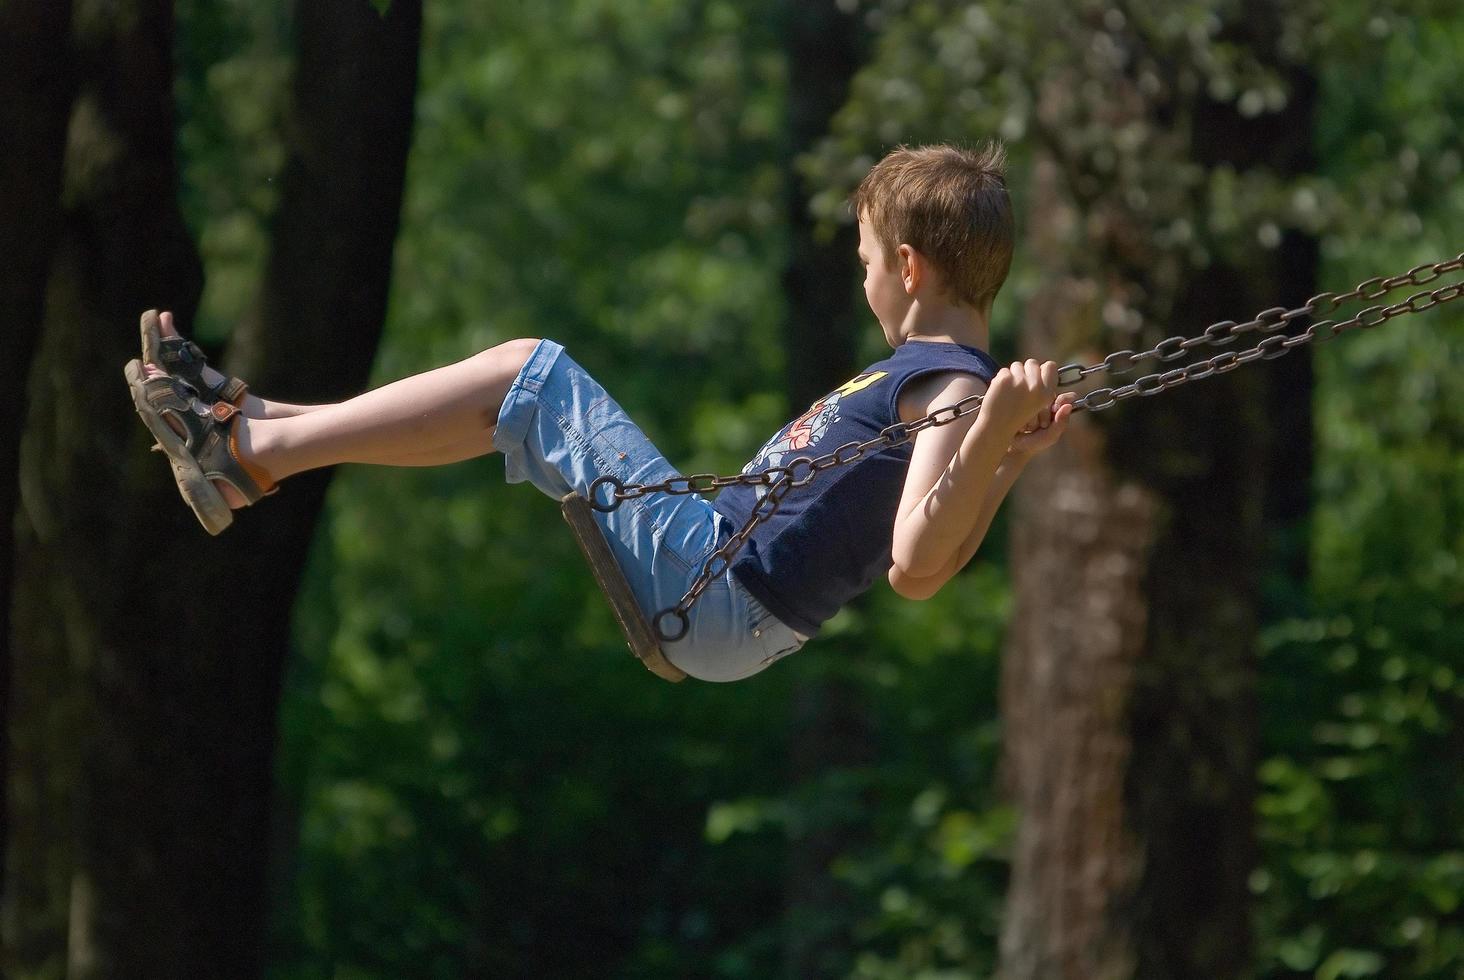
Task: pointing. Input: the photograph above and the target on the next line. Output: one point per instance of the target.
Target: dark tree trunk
(323, 303)
(36, 86)
(1138, 546)
(86, 756)
(825, 48)
(831, 728)
(148, 655)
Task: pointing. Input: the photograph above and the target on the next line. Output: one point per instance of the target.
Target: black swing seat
(643, 640)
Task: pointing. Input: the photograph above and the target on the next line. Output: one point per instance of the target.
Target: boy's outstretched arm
(960, 473)
(911, 587)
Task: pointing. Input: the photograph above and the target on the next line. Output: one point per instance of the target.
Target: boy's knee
(510, 356)
(500, 366)
(520, 350)
(523, 345)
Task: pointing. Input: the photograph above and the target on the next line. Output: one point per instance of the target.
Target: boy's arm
(957, 479)
(1007, 472)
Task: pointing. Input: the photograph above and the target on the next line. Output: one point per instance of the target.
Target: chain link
(1269, 348)
(1267, 321)
(779, 480)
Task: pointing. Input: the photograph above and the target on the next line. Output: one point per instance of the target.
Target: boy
(935, 240)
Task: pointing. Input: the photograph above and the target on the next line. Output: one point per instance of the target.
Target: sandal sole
(208, 505)
(151, 328)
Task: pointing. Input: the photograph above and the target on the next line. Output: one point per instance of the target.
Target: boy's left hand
(1045, 429)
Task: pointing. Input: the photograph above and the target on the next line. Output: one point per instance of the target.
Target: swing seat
(638, 634)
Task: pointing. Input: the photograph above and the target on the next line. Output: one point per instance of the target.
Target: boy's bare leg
(478, 445)
(439, 456)
(260, 408)
(439, 416)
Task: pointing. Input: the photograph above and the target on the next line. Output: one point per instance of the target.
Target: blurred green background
(472, 778)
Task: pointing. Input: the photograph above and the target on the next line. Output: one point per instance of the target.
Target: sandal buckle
(223, 411)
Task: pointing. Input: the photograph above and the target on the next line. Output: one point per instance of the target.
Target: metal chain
(779, 480)
(1275, 345)
(1267, 321)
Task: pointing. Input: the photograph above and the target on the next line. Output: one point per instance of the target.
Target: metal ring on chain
(682, 619)
(616, 498)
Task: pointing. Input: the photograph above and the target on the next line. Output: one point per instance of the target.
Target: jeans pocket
(773, 658)
(774, 639)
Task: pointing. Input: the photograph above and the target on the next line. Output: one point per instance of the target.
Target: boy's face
(884, 285)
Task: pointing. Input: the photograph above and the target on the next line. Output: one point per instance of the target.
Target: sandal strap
(233, 391)
(260, 483)
(186, 359)
(211, 436)
(174, 396)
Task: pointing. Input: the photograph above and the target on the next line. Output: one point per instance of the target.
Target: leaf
(1350, 963)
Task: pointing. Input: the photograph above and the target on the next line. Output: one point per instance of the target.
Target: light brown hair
(950, 204)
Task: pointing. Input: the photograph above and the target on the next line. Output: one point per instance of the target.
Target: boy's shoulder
(928, 392)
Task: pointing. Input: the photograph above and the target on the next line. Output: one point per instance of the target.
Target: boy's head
(950, 205)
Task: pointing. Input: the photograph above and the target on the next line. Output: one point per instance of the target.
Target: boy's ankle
(251, 451)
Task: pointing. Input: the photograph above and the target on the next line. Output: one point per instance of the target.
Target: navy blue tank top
(830, 540)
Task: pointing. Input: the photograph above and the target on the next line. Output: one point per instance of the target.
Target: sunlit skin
(441, 416)
(903, 291)
(959, 473)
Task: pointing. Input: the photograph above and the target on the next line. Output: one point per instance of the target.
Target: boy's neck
(925, 323)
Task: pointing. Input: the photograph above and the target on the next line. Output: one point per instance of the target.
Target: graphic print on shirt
(808, 429)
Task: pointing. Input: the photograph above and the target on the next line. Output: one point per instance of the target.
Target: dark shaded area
(148, 679)
(1235, 473)
(831, 727)
(825, 47)
(36, 87)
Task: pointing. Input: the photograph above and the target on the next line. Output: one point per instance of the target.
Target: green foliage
(1363, 712)
(1366, 703)
(1364, 856)
(482, 782)
(232, 79)
(486, 779)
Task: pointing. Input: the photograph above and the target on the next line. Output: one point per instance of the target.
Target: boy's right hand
(1019, 393)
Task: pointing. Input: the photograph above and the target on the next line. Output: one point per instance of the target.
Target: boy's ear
(913, 268)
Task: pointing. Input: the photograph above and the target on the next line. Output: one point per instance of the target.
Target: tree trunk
(81, 839)
(149, 656)
(1128, 694)
(830, 727)
(36, 87)
(825, 47)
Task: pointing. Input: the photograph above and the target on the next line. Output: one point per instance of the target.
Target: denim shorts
(559, 430)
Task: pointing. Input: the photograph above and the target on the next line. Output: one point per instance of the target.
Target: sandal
(209, 451)
(184, 359)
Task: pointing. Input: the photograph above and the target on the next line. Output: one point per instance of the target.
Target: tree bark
(77, 830)
(149, 656)
(1128, 693)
